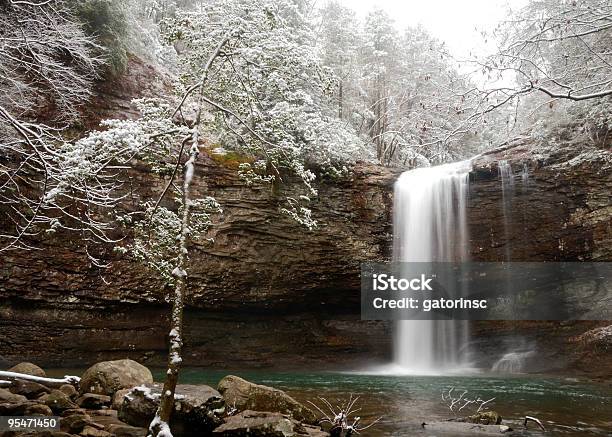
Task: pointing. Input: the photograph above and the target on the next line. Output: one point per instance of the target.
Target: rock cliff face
(559, 207)
(268, 293)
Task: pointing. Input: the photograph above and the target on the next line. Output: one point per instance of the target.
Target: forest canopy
(294, 85)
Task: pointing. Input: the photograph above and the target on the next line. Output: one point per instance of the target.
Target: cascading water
(507, 182)
(430, 225)
(512, 362)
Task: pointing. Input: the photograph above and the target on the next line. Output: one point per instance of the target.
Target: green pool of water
(566, 407)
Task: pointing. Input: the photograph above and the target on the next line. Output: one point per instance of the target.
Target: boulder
(8, 396)
(93, 401)
(116, 427)
(69, 390)
(198, 408)
(15, 408)
(106, 377)
(245, 395)
(28, 369)
(139, 406)
(264, 424)
(118, 398)
(37, 410)
(57, 401)
(29, 389)
(75, 423)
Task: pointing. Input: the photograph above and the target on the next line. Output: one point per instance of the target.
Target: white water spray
(512, 362)
(430, 225)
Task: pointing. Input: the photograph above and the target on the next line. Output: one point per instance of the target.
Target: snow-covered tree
(339, 42)
(251, 81)
(552, 67)
(47, 68)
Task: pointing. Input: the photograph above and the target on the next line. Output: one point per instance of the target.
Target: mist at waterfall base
(430, 225)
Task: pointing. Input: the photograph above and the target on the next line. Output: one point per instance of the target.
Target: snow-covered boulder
(106, 377)
(196, 407)
(244, 395)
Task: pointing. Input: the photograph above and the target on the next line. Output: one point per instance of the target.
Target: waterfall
(512, 362)
(430, 225)
(507, 183)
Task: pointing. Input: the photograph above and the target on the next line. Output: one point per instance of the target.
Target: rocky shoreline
(119, 398)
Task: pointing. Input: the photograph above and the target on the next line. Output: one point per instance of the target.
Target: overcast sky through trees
(454, 22)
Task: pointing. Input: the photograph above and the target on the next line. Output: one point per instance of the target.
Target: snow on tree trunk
(159, 426)
(166, 404)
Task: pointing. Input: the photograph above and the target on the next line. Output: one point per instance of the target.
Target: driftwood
(7, 377)
(342, 425)
(534, 420)
(458, 401)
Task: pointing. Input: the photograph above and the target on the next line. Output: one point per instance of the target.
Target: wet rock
(69, 390)
(118, 398)
(37, 410)
(197, 407)
(58, 401)
(75, 423)
(72, 411)
(8, 396)
(15, 408)
(263, 424)
(124, 430)
(245, 395)
(598, 339)
(107, 377)
(105, 412)
(118, 428)
(28, 369)
(90, 431)
(29, 389)
(314, 431)
(93, 401)
(138, 407)
(484, 418)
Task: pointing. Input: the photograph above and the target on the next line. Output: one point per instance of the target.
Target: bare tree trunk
(159, 426)
(340, 100)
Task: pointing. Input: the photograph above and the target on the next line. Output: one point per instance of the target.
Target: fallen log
(49, 382)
